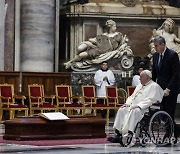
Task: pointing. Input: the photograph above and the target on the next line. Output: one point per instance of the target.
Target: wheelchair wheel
(126, 139)
(161, 128)
(144, 138)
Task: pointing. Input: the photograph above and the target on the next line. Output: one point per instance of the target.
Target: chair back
(6, 93)
(63, 94)
(36, 93)
(112, 95)
(130, 90)
(122, 95)
(88, 93)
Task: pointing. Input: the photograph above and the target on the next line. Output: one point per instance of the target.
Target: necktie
(160, 61)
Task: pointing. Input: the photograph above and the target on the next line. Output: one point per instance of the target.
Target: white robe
(100, 84)
(143, 96)
(135, 80)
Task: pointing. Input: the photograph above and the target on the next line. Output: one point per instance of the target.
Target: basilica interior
(43, 70)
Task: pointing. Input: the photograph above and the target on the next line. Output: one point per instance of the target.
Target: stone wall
(136, 22)
(82, 22)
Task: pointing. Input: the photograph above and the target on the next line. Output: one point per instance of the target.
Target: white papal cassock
(100, 84)
(143, 96)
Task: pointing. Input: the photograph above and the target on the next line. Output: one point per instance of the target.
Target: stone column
(57, 35)
(9, 36)
(2, 25)
(17, 36)
(37, 35)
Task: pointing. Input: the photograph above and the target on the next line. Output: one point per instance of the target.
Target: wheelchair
(156, 127)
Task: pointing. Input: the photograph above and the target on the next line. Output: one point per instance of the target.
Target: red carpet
(56, 142)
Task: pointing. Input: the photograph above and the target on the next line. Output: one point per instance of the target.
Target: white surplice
(136, 80)
(143, 96)
(100, 84)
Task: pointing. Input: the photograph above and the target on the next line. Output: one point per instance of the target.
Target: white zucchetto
(148, 73)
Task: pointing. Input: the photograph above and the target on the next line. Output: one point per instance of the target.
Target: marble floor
(110, 148)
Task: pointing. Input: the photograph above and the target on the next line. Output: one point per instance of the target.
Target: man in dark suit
(165, 71)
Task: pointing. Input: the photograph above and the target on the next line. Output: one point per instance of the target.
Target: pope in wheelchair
(132, 112)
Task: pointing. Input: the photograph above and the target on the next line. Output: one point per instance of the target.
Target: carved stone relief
(111, 46)
(167, 31)
(129, 3)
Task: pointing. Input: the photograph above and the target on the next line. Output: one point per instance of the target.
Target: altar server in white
(145, 94)
(103, 77)
(136, 78)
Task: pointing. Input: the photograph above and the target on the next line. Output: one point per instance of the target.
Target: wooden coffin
(33, 128)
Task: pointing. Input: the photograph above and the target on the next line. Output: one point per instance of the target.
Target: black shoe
(168, 144)
(115, 139)
(176, 134)
(175, 140)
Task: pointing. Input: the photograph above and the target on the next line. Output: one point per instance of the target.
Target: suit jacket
(168, 75)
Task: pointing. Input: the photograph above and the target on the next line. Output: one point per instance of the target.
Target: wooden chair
(130, 90)
(11, 102)
(113, 99)
(38, 101)
(90, 100)
(122, 95)
(65, 100)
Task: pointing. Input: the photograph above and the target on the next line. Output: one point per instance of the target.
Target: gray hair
(159, 40)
